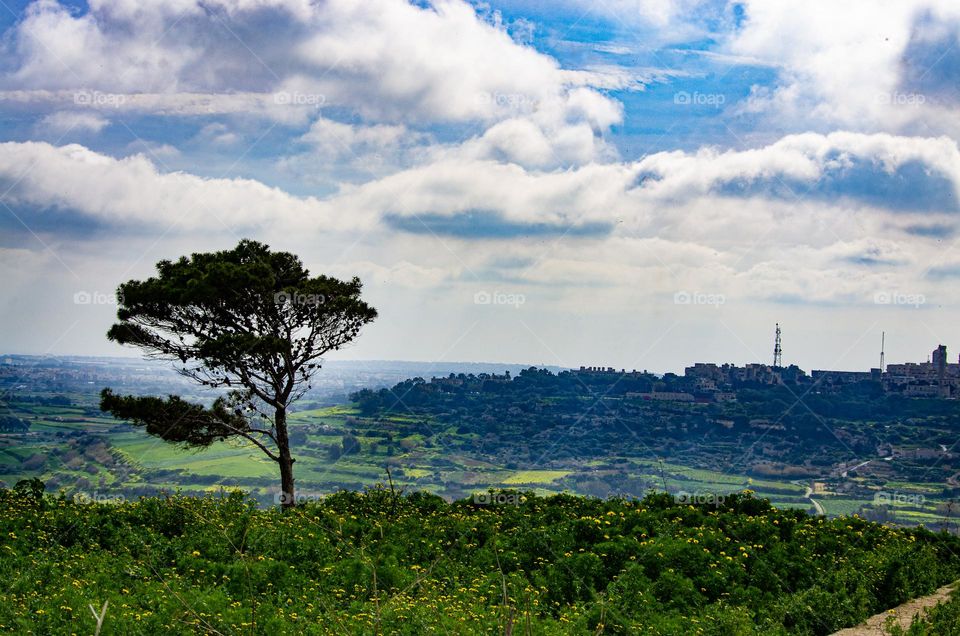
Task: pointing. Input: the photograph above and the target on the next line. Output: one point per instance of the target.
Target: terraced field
(415, 452)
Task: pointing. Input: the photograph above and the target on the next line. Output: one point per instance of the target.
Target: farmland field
(78, 450)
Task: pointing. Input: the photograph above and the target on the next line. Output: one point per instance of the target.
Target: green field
(130, 461)
(535, 477)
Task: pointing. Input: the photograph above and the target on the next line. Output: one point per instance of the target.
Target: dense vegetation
(791, 423)
(383, 562)
(537, 430)
(792, 432)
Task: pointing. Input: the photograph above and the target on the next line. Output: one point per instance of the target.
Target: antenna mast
(883, 346)
(777, 350)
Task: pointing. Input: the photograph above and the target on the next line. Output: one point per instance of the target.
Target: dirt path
(873, 626)
(816, 504)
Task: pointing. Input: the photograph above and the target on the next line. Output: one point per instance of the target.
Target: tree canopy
(249, 320)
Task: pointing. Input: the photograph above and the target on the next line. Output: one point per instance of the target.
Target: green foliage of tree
(350, 444)
(248, 320)
(30, 489)
(178, 421)
(13, 424)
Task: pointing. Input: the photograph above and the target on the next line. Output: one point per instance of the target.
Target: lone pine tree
(247, 320)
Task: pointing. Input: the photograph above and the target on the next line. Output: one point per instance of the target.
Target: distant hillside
(849, 444)
(886, 457)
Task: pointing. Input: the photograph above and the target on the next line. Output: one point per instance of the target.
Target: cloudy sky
(633, 183)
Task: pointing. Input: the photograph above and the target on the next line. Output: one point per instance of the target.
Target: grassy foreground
(381, 563)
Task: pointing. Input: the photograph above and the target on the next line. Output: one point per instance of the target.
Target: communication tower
(777, 350)
(883, 343)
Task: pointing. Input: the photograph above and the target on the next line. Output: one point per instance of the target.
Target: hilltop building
(610, 371)
(712, 376)
(844, 377)
(717, 383)
(711, 382)
(937, 378)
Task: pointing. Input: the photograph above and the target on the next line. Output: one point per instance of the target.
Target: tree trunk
(288, 498)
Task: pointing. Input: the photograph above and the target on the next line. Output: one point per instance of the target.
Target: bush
(388, 562)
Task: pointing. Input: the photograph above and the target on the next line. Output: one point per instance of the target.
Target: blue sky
(648, 182)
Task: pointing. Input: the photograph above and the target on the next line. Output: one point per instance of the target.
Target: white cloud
(383, 55)
(217, 134)
(157, 151)
(447, 188)
(133, 192)
(377, 58)
(844, 63)
(275, 106)
(337, 140)
(791, 173)
(805, 160)
(373, 64)
(665, 220)
(402, 273)
(65, 122)
(333, 153)
(657, 21)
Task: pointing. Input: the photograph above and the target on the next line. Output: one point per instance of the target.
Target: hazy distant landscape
(476, 427)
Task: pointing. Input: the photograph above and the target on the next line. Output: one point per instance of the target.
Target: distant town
(711, 382)
(701, 382)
